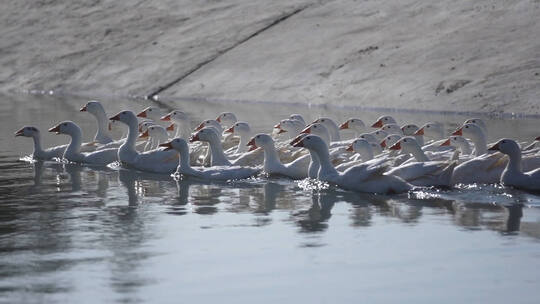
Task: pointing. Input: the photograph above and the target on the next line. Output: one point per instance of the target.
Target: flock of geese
(389, 159)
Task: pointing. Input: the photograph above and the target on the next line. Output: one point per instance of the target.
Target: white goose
(513, 174)
(156, 135)
(480, 123)
(156, 161)
(181, 120)
(435, 131)
(297, 169)
(226, 119)
(242, 130)
(392, 129)
(96, 109)
(476, 135)
(459, 142)
(292, 126)
(362, 178)
(298, 117)
(213, 173)
(332, 127)
(39, 153)
(73, 151)
(423, 172)
(152, 113)
(354, 124)
(383, 120)
(410, 130)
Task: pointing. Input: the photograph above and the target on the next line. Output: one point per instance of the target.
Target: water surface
(69, 232)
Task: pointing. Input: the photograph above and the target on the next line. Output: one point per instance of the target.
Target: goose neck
(418, 154)
(37, 144)
(514, 163)
(326, 167)
(271, 157)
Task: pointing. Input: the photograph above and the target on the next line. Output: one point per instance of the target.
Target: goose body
(39, 152)
(361, 178)
(96, 109)
(297, 169)
(513, 175)
(157, 161)
(212, 173)
(73, 151)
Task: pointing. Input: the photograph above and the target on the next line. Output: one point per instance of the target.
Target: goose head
(126, 117)
(359, 145)
(379, 134)
(260, 141)
(93, 107)
(383, 120)
(506, 146)
(176, 116)
(28, 131)
(178, 144)
(144, 125)
(211, 124)
(150, 112)
(206, 134)
(354, 124)
(537, 139)
(369, 137)
(479, 122)
(318, 129)
(458, 142)
(298, 117)
(407, 144)
(410, 129)
(154, 131)
(66, 127)
(470, 130)
(431, 129)
(311, 142)
(392, 129)
(240, 128)
(390, 140)
(292, 126)
(226, 118)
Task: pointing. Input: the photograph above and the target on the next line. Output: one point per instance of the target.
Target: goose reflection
(315, 218)
(138, 183)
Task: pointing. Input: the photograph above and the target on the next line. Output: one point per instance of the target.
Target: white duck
(181, 120)
(242, 130)
(354, 124)
(226, 119)
(383, 120)
(513, 174)
(296, 169)
(460, 143)
(156, 135)
(156, 161)
(422, 172)
(362, 178)
(476, 135)
(332, 127)
(213, 173)
(73, 151)
(39, 153)
(96, 109)
(410, 130)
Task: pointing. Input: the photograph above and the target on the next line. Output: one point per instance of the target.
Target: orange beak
(166, 117)
(83, 109)
(170, 128)
(218, 119)
(446, 143)
(396, 146)
(419, 132)
(306, 131)
(55, 129)
(538, 138)
(281, 131)
(251, 144)
(110, 126)
(377, 124)
(115, 117)
(344, 125)
(278, 126)
(295, 140)
(167, 146)
(495, 147)
(142, 114)
(20, 132)
(383, 143)
(458, 132)
(144, 135)
(349, 149)
(230, 130)
(199, 127)
(299, 143)
(194, 138)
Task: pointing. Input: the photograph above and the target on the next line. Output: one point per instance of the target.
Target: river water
(70, 233)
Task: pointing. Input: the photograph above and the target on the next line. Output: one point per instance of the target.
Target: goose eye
(404, 140)
(150, 110)
(502, 142)
(466, 127)
(65, 124)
